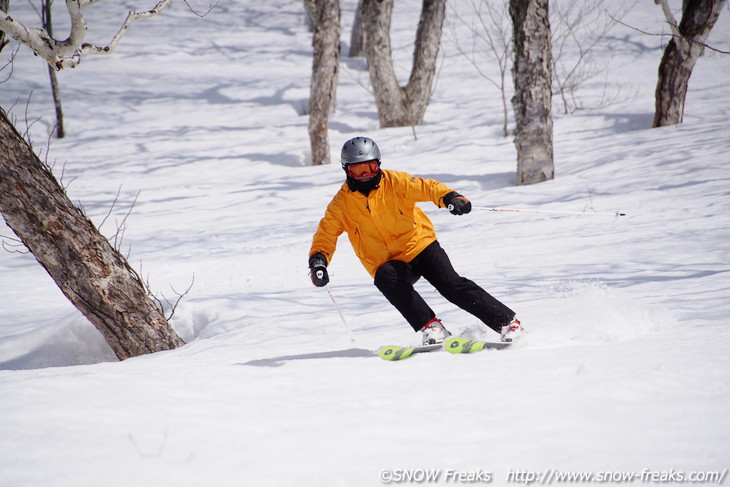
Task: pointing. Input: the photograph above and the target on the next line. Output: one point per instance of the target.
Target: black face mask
(364, 186)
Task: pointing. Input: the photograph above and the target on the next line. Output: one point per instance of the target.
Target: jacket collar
(364, 187)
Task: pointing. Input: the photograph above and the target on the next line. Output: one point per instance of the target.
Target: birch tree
(69, 52)
(357, 36)
(325, 21)
(4, 5)
(533, 96)
(46, 15)
(680, 56)
(92, 274)
(401, 106)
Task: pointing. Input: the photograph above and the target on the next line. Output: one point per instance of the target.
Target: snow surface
(627, 363)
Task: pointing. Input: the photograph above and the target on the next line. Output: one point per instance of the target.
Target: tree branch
(9, 64)
(669, 35)
(210, 8)
(180, 296)
(69, 52)
(13, 245)
(670, 17)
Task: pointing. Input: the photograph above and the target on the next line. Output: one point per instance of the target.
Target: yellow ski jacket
(386, 224)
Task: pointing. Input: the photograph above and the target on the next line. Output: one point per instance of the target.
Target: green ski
(451, 345)
(395, 352)
(464, 345)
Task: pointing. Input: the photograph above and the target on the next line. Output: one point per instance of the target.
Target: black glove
(318, 270)
(457, 204)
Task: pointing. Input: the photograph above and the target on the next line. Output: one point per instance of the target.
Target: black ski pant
(395, 279)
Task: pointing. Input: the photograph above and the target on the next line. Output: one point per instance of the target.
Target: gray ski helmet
(359, 149)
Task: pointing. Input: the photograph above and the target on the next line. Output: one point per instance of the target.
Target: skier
(396, 242)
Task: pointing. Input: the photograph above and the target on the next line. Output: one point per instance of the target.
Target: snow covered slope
(627, 363)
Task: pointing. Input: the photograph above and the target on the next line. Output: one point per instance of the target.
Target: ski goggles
(363, 171)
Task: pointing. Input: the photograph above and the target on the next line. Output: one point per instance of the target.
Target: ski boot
(434, 332)
(512, 331)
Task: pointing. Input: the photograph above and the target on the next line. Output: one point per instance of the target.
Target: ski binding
(465, 345)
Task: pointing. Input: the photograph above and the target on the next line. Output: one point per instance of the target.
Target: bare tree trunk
(308, 15)
(680, 56)
(357, 36)
(402, 106)
(325, 15)
(48, 25)
(84, 265)
(533, 97)
(60, 131)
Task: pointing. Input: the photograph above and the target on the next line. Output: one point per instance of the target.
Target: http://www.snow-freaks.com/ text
(551, 476)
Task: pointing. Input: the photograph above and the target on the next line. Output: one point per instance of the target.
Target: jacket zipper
(376, 223)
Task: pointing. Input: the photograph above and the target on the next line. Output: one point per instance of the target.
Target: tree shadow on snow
(279, 361)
